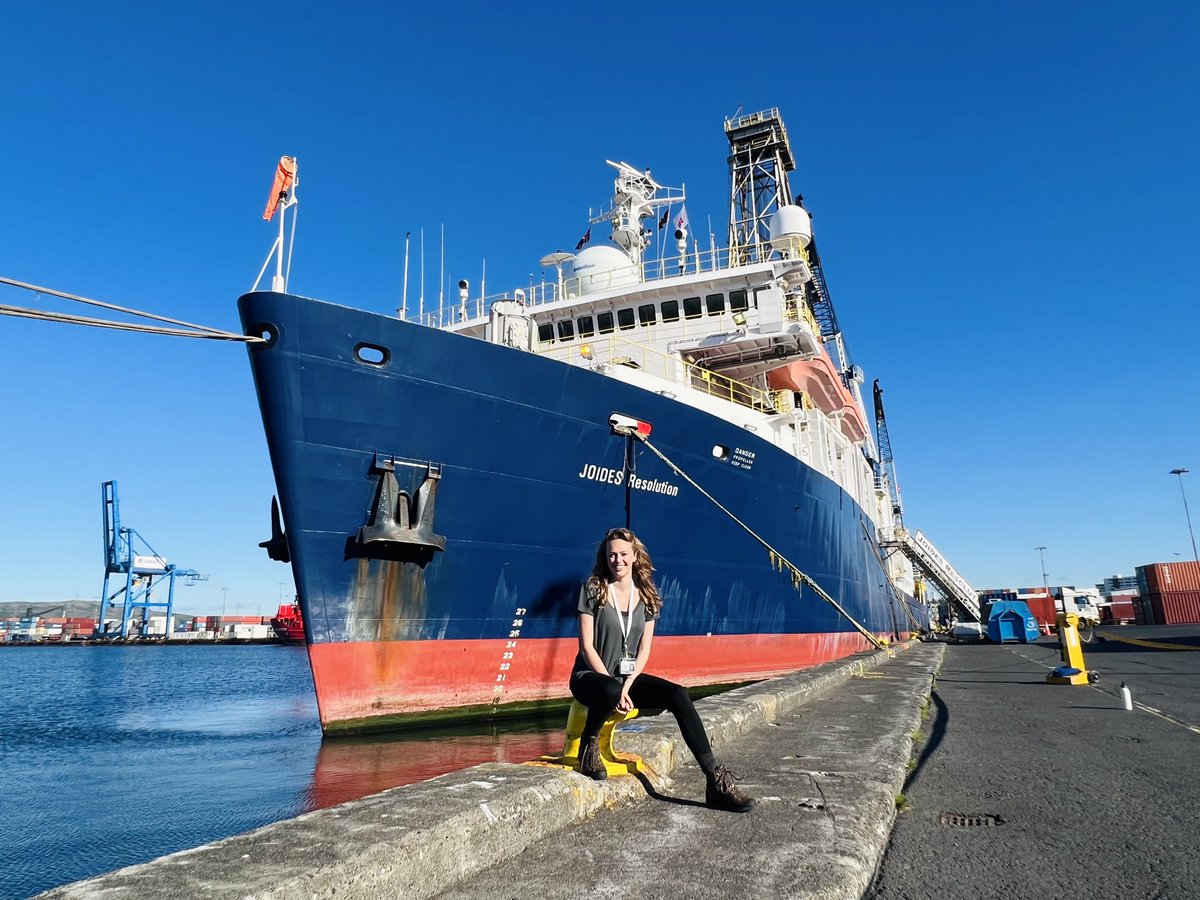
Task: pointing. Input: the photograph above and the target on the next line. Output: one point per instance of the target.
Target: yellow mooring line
(778, 560)
(1153, 645)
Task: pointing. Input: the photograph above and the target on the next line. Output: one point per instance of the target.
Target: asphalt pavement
(1026, 789)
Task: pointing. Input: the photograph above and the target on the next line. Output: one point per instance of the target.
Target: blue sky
(1005, 199)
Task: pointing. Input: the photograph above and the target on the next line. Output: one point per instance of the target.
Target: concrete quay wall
(420, 840)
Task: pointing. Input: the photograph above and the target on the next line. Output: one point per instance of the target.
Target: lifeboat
(819, 380)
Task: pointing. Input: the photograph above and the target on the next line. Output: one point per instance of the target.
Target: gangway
(143, 572)
(920, 550)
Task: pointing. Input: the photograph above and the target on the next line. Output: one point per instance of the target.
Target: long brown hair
(643, 578)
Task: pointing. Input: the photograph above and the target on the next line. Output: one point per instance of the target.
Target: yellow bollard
(616, 763)
(1073, 669)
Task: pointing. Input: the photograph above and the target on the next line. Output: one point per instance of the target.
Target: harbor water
(112, 756)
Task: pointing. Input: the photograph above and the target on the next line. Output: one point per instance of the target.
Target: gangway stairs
(920, 550)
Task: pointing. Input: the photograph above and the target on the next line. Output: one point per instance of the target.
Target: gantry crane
(143, 572)
(887, 463)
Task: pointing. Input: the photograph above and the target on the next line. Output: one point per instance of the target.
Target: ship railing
(753, 118)
(618, 351)
(655, 269)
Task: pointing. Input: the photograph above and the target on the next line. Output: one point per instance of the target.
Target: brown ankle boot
(590, 763)
(722, 793)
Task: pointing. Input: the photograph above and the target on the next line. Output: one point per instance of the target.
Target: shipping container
(1162, 578)
(1119, 611)
(251, 631)
(235, 620)
(1176, 607)
(1043, 608)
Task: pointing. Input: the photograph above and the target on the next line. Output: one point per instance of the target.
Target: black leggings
(600, 693)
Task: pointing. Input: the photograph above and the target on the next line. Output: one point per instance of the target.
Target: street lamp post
(224, 600)
(1042, 555)
(1186, 513)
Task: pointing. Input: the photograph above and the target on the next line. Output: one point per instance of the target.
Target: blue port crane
(127, 553)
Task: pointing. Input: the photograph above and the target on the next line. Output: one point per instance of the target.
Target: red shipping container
(1121, 609)
(1176, 607)
(1043, 608)
(1164, 578)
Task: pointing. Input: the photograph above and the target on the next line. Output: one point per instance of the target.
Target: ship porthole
(720, 451)
(266, 331)
(372, 354)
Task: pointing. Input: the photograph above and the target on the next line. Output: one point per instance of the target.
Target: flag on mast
(666, 217)
(681, 220)
(583, 240)
(285, 174)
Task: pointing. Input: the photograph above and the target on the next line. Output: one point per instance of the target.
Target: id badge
(625, 665)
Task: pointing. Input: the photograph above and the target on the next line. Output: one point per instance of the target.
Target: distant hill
(66, 608)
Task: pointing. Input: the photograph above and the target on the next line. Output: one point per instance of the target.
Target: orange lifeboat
(820, 381)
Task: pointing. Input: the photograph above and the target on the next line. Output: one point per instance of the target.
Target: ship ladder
(778, 560)
(917, 628)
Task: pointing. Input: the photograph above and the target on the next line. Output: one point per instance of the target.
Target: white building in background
(1120, 585)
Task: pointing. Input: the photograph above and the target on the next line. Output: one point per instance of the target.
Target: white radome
(598, 269)
(790, 225)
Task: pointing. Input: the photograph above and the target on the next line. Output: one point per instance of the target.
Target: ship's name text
(605, 475)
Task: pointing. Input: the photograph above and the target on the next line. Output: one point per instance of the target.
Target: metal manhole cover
(958, 820)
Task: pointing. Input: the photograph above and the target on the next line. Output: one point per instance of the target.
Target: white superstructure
(743, 333)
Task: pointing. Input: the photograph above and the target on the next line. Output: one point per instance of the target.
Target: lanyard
(626, 624)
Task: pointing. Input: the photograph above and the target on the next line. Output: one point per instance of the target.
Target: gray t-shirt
(607, 636)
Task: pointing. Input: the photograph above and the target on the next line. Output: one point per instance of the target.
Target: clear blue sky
(1006, 200)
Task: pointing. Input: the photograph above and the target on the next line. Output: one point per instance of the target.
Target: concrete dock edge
(421, 839)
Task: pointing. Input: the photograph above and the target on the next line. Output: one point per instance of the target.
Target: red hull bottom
(364, 686)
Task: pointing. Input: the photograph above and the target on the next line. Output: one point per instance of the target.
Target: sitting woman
(618, 606)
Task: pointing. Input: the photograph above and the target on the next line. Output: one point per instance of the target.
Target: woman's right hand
(624, 705)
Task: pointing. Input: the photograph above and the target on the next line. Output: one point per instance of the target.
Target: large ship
(443, 479)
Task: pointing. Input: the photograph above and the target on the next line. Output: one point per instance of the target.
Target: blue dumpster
(1011, 620)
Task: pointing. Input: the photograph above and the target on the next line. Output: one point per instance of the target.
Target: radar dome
(598, 269)
(790, 226)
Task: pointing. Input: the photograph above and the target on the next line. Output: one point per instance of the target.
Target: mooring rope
(777, 558)
(196, 331)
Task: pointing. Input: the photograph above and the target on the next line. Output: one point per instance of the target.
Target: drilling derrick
(759, 159)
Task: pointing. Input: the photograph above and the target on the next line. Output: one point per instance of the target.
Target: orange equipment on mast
(284, 175)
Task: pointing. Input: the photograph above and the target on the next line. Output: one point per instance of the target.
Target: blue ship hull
(530, 478)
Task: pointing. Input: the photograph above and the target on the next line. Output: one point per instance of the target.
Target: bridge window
(566, 330)
(691, 308)
(647, 314)
(586, 329)
(625, 319)
(605, 321)
(738, 301)
(670, 310)
(546, 332)
(715, 303)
